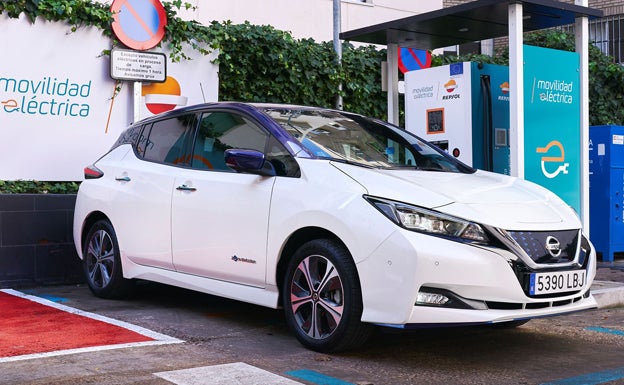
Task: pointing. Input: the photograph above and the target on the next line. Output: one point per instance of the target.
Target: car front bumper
(481, 277)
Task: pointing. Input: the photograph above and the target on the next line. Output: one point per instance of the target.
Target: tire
(102, 263)
(323, 298)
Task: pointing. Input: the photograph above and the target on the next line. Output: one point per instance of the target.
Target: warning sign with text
(138, 66)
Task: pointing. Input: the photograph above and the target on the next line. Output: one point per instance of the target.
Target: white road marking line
(159, 339)
(237, 373)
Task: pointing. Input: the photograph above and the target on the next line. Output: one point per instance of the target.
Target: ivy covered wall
(257, 63)
(260, 63)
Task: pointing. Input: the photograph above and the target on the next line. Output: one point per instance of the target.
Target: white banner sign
(138, 66)
(59, 108)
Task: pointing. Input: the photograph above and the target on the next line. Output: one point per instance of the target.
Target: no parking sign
(139, 24)
(413, 59)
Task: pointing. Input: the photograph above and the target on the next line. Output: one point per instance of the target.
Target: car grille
(534, 244)
(535, 305)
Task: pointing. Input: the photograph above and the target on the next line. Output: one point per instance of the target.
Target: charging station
(544, 139)
(463, 108)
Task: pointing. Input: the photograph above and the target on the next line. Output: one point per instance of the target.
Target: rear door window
(168, 140)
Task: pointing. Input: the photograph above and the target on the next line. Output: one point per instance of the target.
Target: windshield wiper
(422, 168)
(410, 167)
(346, 161)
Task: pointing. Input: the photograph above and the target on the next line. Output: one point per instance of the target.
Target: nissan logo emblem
(553, 246)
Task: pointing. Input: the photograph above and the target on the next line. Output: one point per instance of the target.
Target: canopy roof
(470, 22)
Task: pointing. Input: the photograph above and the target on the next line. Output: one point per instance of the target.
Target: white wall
(307, 18)
(57, 111)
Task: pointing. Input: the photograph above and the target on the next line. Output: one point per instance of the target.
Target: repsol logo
(448, 97)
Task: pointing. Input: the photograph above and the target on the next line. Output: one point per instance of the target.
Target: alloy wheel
(100, 259)
(317, 295)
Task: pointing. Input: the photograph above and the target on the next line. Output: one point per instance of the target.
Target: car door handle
(185, 188)
(123, 178)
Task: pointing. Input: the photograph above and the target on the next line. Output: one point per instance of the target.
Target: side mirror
(248, 161)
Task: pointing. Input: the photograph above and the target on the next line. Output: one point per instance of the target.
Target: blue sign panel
(413, 59)
(456, 69)
(552, 122)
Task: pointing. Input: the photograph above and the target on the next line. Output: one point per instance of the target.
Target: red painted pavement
(28, 327)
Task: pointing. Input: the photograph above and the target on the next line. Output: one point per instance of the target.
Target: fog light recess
(436, 299)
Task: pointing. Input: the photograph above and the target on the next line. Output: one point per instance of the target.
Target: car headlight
(428, 221)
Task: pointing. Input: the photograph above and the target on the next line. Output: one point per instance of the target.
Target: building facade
(606, 33)
(307, 18)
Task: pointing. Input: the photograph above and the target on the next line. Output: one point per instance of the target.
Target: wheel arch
(295, 240)
(89, 221)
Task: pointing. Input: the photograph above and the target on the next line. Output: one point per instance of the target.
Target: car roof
(240, 106)
(253, 109)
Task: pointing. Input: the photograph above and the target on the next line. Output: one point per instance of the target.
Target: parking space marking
(46, 296)
(238, 373)
(316, 377)
(157, 338)
(591, 378)
(606, 330)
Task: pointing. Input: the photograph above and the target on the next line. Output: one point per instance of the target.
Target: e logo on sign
(139, 24)
(563, 167)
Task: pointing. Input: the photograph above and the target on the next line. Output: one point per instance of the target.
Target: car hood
(488, 198)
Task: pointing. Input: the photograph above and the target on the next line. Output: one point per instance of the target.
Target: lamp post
(338, 47)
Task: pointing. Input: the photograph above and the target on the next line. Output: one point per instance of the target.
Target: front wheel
(102, 263)
(323, 299)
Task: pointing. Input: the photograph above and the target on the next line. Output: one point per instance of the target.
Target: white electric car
(344, 221)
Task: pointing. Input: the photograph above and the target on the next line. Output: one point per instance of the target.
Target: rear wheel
(102, 263)
(322, 298)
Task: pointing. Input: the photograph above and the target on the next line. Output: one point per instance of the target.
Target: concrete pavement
(608, 286)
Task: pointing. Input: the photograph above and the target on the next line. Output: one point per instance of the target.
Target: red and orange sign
(162, 97)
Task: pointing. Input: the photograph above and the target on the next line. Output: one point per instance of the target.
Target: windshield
(355, 139)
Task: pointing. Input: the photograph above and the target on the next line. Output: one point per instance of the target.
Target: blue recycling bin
(606, 189)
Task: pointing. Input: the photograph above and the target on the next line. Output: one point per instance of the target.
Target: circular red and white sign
(139, 24)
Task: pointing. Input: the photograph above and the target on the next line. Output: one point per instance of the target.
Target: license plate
(556, 282)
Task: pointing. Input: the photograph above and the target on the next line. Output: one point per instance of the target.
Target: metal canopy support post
(392, 80)
(338, 46)
(582, 48)
(516, 96)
